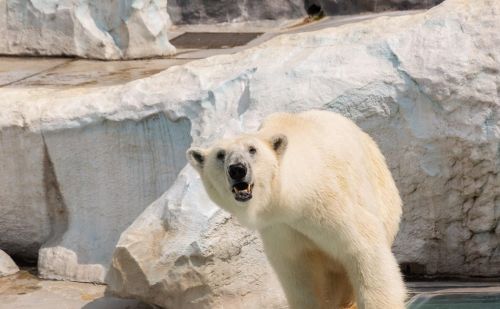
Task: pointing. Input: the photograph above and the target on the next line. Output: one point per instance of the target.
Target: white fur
(325, 205)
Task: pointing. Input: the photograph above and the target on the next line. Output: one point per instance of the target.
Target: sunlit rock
(114, 29)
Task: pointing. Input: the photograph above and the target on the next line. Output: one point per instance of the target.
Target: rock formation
(113, 29)
(75, 178)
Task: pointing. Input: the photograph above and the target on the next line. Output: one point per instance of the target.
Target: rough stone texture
(104, 175)
(114, 29)
(425, 86)
(7, 265)
(202, 11)
(208, 12)
(192, 255)
(24, 217)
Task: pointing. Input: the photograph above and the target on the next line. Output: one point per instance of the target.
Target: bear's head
(240, 174)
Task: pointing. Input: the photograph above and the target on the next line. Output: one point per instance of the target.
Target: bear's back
(328, 157)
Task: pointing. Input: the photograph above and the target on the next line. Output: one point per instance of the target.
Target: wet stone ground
(68, 72)
(24, 290)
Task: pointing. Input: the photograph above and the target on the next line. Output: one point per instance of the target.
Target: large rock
(425, 86)
(114, 29)
(74, 179)
(192, 255)
(106, 174)
(7, 265)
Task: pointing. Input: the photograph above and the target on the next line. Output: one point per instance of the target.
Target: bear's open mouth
(242, 191)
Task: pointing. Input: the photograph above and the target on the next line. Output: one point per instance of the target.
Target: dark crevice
(24, 261)
(412, 270)
(314, 10)
(346, 7)
(57, 210)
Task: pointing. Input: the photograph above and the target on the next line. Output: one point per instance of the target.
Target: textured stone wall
(67, 191)
(215, 11)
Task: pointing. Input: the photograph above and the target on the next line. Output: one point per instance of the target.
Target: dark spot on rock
(313, 10)
(412, 269)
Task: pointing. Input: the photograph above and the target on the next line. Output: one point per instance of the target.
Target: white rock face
(114, 29)
(7, 265)
(79, 177)
(424, 86)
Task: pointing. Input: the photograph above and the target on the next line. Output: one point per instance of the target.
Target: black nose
(237, 171)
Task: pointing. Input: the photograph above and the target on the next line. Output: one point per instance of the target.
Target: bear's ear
(196, 157)
(279, 143)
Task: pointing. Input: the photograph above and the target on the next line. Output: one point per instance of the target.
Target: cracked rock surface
(113, 29)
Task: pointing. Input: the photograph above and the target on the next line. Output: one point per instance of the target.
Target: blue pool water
(457, 301)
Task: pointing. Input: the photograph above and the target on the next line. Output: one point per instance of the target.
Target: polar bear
(318, 191)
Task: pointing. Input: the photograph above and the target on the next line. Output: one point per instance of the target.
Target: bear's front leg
(376, 279)
(283, 247)
(361, 247)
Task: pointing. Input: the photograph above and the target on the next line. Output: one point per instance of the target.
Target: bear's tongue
(242, 191)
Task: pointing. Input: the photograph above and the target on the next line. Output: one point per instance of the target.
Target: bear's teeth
(248, 189)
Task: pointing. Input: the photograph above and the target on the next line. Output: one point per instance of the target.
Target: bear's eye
(252, 150)
(221, 155)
